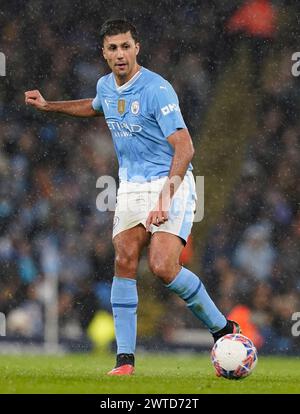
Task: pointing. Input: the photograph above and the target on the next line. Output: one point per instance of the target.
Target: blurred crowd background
(49, 165)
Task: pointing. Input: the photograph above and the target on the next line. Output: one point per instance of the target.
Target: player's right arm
(80, 107)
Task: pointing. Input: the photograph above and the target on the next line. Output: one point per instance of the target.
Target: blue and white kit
(141, 115)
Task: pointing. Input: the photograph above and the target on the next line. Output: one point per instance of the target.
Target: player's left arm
(183, 153)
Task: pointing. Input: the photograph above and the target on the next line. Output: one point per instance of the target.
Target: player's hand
(159, 215)
(156, 217)
(35, 99)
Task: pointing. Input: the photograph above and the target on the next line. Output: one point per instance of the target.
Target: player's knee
(159, 267)
(126, 262)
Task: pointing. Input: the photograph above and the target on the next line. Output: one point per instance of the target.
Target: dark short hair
(116, 26)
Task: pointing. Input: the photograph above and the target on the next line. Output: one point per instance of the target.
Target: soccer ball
(234, 356)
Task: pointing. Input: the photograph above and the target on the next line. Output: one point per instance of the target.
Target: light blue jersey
(140, 114)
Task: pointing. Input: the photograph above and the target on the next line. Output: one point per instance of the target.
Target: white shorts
(136, 200)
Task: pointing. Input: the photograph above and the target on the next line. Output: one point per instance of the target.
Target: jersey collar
(126, 85)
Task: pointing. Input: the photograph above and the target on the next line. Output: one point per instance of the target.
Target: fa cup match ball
(234, 356)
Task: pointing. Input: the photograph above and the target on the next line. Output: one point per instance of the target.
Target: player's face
(120, 52)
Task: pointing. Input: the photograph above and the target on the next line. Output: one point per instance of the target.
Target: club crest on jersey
(121, 106)
(135, 107)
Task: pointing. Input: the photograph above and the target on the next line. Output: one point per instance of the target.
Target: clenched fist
(35, 98)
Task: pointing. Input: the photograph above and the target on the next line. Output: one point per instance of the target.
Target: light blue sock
(124, 300)
(190, 288)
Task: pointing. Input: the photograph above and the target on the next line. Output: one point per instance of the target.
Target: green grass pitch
(155, 374)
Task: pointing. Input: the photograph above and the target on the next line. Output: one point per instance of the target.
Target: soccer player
(156, 197)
